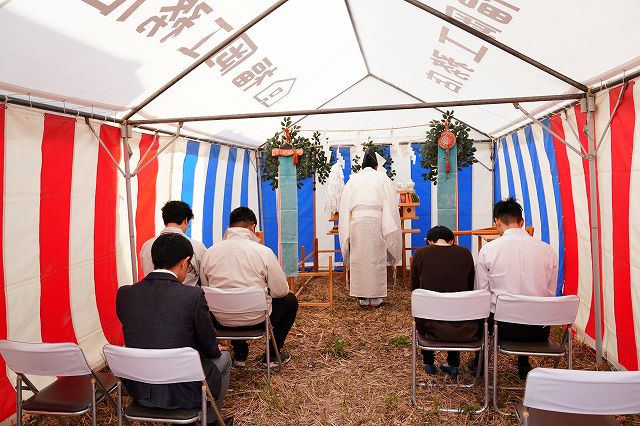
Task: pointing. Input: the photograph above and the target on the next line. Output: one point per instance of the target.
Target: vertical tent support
(589, 107)
(125, 131)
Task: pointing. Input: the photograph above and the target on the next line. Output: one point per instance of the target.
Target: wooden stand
(487, 234)
(407, 212)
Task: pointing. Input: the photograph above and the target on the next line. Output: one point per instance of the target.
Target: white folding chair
(578, 398)
(240, 301)
(157, 367)
(459, 306)
(76, 390)
(532, 310)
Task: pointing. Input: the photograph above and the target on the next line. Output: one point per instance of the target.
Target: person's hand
(223, 348)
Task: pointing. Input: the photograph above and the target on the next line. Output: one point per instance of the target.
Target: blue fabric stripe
(188, 175)
(537, 175)
(553, 166)
(270, 215)
(228, 188)
(523, 181)
(507, 165)
(423, 190)
(346, 155)
(497, 188)
(244, 189)
(209, 194)
(305, 217)
(465, 204)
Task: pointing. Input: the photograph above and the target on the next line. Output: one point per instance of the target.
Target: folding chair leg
(93, 402)
(203, 421)
(273, 340)
(267, 349)
(213, 405)
(413, 365)
(485, 363)
(119, 403)
(495, 366)
(19, 400)
(570, 349)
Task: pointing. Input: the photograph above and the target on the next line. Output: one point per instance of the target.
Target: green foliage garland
(429, 150)
(380, 150)
(312, 162)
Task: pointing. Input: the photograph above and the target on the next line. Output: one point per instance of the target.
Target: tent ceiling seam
(498, 44)
(406, 92)
(357, 34)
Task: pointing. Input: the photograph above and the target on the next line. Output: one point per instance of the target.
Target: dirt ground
(352, 366)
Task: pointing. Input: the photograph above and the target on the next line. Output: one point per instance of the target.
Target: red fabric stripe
(581, 119)
(145, 208)
(7, 392)
(622, 127)
(568, 212)
(55, 208)
(104, 242)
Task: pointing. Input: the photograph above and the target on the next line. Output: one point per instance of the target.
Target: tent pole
(589, 106)
(497, 44)
(125, 131)
(366, 108)
(204, 58)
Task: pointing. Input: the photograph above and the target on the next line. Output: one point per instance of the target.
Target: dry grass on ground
(352, 366)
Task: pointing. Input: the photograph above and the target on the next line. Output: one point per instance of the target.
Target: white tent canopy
(306, 55)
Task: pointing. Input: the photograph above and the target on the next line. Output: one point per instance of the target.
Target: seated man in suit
(517, 263)
(444, 267)
(240, 261)
(161, 313)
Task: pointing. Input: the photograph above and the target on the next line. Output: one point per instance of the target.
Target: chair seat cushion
(469, 346)
(70, 394)
(137, 411)
(552, 418)
(231, 333)
(515, 348)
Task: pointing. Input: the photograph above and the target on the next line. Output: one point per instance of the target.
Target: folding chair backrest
(583, 392)
(235, 300)
(459, 306)
(535, 310)
(44, 359)
(155, 366)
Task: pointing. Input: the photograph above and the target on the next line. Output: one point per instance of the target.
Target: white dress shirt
(198, 252)
(517, 263)
(240, 261)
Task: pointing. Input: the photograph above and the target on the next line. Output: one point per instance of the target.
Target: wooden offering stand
(487, 234)
(408, 203)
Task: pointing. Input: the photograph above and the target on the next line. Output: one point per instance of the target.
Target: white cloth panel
(82, 290)
(536, 310)
(504, 183)
(236, 190)
(482, 193)
(44, 359)
(604, 160)
(458, 306)
(163, 181)
(583, 392)
(199, 179)
(155, 366)
(123, 246)
(634, 222)
(235, 301)
(178, 152)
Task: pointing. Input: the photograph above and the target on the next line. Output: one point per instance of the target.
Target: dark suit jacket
(444, 269)
(160, 312)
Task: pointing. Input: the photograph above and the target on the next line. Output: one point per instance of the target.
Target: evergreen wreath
(429, 150)
(312, 162)
(391, 172)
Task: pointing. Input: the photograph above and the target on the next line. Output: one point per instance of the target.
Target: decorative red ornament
(446, 141)
(287, 151)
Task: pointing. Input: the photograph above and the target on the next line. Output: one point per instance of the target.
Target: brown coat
(444, 269)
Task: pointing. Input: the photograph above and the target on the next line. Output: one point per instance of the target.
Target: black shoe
(228, 421)
(430, 369)
(452, 371)
(523, 370)
(285, 357)
(472, 367)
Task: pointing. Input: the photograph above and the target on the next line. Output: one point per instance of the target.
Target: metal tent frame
(586, 96)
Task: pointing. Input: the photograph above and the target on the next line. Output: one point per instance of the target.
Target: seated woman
(444, 267)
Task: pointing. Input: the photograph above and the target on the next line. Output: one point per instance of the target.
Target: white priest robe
(370, 234)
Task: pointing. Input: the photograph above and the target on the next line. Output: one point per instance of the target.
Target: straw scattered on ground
(352, 366)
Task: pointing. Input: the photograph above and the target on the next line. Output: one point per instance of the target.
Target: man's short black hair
(440, 232)
(176, 212)
(169, 249)
(242, 216)
(509, 211)
(370, 159)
